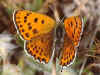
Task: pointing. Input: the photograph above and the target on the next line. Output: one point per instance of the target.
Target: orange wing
(31, 24)
(68, 53)
(41, 47)
(74, 27)
(36, 29)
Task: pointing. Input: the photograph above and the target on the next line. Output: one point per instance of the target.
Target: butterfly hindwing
(41, 47)
(68, 53)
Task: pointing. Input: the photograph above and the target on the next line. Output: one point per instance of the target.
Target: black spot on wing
(42, 21)
(22, 30)
(27, 34)
(29, 27)
(35, 31)
(35, 20)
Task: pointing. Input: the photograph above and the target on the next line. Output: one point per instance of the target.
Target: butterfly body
(43, 36)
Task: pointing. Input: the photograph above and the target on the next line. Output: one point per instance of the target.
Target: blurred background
(13, 59)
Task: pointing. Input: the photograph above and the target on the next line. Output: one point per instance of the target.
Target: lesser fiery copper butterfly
(38, 32)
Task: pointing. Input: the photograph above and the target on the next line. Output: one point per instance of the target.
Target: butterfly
(42, 36)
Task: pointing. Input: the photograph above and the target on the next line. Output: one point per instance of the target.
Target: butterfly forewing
(74, 27)
(31, 24)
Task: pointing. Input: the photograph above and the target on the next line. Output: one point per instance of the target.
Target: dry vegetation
(13, 60)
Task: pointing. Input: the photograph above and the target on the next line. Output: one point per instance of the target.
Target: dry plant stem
(85, 59)
(46, 5)
(98, 57)
(81, 4)
(93, 65)
(83, 65)
(54, 69)
(54, 65)
(56, 14)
